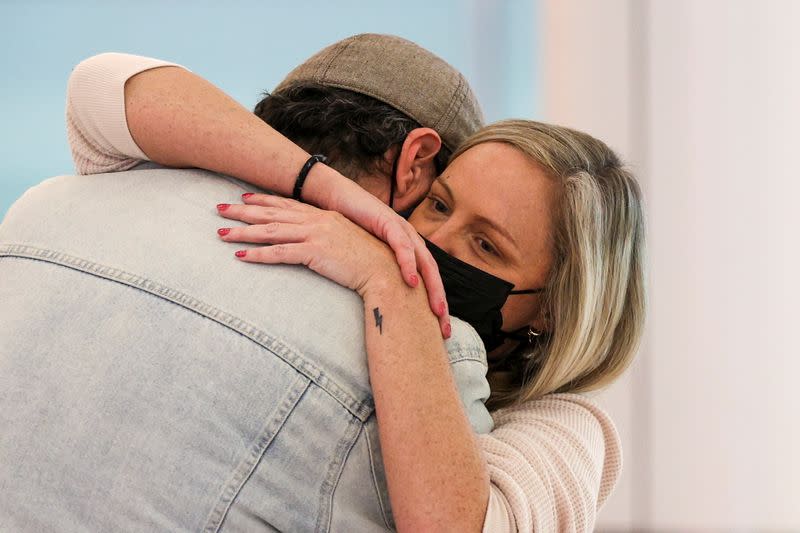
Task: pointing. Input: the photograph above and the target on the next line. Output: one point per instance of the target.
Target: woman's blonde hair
(594, 301)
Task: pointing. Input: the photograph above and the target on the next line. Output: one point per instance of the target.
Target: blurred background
(244, 46)
(699, 96)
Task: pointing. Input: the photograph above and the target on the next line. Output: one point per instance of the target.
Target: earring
(532, 334)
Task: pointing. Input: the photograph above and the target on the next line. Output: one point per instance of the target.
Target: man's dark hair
(352, 130)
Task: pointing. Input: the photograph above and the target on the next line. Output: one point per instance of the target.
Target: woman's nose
(442, 235)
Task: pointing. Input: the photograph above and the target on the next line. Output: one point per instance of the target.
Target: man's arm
(467, 357)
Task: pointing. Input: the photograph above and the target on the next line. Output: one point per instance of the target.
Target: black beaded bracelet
(301, 178)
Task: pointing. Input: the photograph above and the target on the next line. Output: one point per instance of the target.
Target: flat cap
(402, 74)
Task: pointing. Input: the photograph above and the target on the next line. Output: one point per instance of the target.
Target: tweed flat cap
(401, 74)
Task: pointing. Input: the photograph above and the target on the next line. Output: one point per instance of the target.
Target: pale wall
(702, 97)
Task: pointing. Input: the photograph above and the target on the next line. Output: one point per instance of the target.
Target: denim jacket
(151, 382)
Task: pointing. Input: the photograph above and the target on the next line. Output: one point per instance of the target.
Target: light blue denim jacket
(151, 382)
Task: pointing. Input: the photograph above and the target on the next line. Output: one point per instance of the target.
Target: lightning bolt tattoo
(378, 319)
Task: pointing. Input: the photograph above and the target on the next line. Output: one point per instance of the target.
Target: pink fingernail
(247, 195)
(223, 231)
(447, 330)
(223, 207)
(414, 280)
(241, 253)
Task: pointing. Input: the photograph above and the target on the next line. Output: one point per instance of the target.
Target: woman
(545, 208)
(585, 323)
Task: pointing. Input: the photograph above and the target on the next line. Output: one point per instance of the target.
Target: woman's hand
(325, 241)
(336, 193)
(181, 120)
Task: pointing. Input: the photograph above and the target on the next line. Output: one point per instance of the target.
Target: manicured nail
(447, 330)
(223, 207)
(441, 308)
(247, 195)
(223, 231)
(241, 253)
(414, 280)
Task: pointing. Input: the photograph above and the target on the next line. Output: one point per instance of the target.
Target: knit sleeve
(552, 464)
(97, 129)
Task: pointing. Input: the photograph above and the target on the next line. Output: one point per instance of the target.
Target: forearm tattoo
(378, 319)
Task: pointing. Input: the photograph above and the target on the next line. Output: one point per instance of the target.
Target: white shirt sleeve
(97, 128)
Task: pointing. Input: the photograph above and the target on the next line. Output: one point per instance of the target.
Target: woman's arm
(181, 120)
(437, 478)
(128, 108)
(176, 118)
(97, 132)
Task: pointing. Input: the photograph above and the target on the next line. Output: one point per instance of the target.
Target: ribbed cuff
(96, 94)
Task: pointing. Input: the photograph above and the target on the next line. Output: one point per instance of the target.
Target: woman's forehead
(498, 183)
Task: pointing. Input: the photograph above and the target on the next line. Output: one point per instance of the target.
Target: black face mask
(476, 297)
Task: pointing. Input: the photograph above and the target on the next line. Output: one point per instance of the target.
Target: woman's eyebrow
(441, 181)
(479, 218)
(498, 228)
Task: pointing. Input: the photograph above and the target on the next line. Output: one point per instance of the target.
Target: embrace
(356, 308)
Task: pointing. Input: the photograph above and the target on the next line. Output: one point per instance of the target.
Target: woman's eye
(438, 205)
(486, 246)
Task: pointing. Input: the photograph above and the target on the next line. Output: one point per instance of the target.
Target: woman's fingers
(261, 208)
(434, 285)
(271, 200)
(396, 232)
(286, 254)
(257, 214)
(403, 248)
(283, 222)
(270, 233)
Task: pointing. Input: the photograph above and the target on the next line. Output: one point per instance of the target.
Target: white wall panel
(703, 97)
(724, 83)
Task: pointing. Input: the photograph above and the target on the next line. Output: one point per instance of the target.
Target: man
(151, 382)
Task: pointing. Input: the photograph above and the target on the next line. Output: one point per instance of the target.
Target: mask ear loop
(528, 291)
(393, 178)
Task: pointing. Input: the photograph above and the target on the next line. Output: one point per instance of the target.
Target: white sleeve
(552, 463)
(97, 129)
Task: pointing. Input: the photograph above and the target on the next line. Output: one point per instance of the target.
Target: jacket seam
(359, 409)
(335, 469)
(385, 511)
(468, 355)
(238, 479)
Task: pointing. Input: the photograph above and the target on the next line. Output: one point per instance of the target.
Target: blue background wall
(243, 46)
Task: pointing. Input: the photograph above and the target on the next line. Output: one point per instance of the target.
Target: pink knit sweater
(552, 462)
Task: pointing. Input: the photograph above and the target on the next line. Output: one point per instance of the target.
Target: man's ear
(416, 168)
